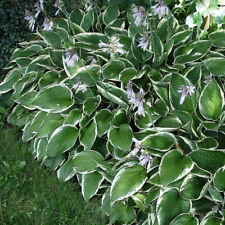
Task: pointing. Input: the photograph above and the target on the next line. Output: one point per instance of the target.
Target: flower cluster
(58, 4)
(31, 19)
(80, 84)
(145, 43)
(137, 100)
(185, 91)
(71, 58)
(47, 24)
(160, 9)
(145, 158)
(114, 46)
(140, 16)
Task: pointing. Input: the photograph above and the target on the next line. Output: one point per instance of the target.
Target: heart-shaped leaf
(66, 171)
(91, 104)
(46, 100)
(216, 66)
(209, 160)
(169, 205)
(218, 38)
(62, 139)
(127, 182)
(121, 137)
(211, 101)
(219, 179)
(113, 93)
(160, 141)
(174, 166)
(88, 135)
(103, 119)
(192, 187)
(122, 213)
(85, 161)
(90, 184)
(111, 13)
(184, 219)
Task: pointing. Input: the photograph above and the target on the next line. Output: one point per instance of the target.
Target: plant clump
(131, 103)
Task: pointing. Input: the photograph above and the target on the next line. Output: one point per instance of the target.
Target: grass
(32, 195)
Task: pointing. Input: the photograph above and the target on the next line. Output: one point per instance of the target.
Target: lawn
(32, 195)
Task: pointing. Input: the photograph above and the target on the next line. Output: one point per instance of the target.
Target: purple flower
(140, 15)
(58, 4)
(31, 19)
(185, 91)
(71, 58)
(160, 8)
(80, 84)
(208, 79)
(145, 42)
(47, 24)
(137, 100)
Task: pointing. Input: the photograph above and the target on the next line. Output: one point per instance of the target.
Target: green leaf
(211, 101)
(41, 149)
(76, 16)
(122, 213)
(174, 166)
(56, 57)
(111, 13)
(216, 66)
(26, 100)
(121, 137)
(192, 187)
(11, 78)
(160, 141)
(169, 121)
(90, 184)
(157, 46)
(54, 162)
(27, 52)
(89, 75)
(128, 74)
(103, 119)
(66, 171)
(85, 161)
(211, 220)
(208, 143)
(185, 219)
(73, 117)
(193, 52)
(52, 38)
(169, 205)
(91, 104)
(127, 182)
(51, 77)
(215, 194)
(218, 38)
(112, 69)
(181, 36)
(91, 38)
(62, 139)
(113, 93)
(88, 20)
(49, 124)
(209, 160)
(46, 99)
(219, 179)
(88, 135)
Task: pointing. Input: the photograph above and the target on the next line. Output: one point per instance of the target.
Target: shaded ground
(31, 195)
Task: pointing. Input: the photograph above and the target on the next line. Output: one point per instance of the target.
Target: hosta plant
(131, 103)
